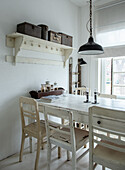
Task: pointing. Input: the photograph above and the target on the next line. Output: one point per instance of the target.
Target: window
(119, 76)
(113, 76)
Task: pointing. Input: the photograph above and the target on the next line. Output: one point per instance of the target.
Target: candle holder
(95, 98)
(87, 98)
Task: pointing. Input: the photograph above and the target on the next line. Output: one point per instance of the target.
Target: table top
(76, 103)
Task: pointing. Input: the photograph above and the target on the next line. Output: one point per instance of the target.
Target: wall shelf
(21, 41)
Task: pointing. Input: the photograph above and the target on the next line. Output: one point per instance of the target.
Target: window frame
(102, 73)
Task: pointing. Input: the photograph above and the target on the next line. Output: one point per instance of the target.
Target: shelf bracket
(67, 53)
(18, 44)
(15, 42)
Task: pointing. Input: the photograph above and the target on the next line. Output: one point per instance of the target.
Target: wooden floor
(12, 162)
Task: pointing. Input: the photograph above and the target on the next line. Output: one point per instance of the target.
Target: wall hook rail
(21, 41)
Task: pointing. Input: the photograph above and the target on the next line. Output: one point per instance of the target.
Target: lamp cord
(90, 18)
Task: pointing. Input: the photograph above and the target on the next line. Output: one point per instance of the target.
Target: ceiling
(96, 2)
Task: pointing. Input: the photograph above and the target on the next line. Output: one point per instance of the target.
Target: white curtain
(110, 29)
(110, 18)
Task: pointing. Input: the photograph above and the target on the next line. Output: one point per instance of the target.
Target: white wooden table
(80, 110)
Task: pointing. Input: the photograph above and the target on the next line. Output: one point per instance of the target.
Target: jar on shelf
(55, 86)
(43, 88)
(52, 87)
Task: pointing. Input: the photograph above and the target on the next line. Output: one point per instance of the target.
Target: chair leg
(37, 154)
(22, 147)
(31, 147)
(68, 155)
(91, 167)
(59, 152)
(42, 144)
(73, 160)
(103, 168)
(95, 165)
(85, 127)
(48, 155)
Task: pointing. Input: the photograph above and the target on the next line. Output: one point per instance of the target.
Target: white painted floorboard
(12, 163)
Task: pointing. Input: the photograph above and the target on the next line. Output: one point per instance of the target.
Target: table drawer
(107, 123)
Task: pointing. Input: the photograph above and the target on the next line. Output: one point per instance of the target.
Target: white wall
(15, 81)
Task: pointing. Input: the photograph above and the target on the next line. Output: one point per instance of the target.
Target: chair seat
(81, 136)
(32, 129)
(110, 156)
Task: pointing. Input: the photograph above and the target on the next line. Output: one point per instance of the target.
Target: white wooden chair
(108, 96)
(29, 109)
(66, 136)
(108, 151)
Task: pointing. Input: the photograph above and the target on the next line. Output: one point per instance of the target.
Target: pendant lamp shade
(90, 48)
(82, 62)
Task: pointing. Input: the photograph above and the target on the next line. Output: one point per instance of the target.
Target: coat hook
(39, 45)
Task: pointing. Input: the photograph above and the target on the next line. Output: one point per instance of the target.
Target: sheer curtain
(110, 29)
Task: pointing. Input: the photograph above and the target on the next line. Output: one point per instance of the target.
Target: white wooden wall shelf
(21, 41)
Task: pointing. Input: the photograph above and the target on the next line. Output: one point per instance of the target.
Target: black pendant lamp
(91, 48)
(82, 62)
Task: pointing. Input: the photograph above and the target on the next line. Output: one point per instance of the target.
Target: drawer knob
(99, 122)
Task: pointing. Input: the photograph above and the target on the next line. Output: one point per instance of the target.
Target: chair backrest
(81, 90)
(107, 121)
(108, 96)
(29, 111)
(67, 130)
